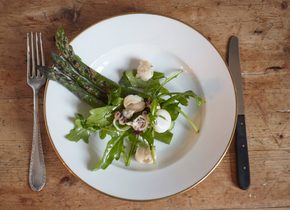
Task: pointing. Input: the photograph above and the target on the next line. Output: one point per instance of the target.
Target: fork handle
(37, 172)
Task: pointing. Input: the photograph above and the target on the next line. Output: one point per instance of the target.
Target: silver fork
(37, 173)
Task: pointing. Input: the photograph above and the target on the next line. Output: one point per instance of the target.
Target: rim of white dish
(184, 190)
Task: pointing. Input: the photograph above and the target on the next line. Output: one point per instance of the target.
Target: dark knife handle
(243, 166)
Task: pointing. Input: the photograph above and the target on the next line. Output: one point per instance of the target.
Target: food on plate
(163, 121)
(133, 113)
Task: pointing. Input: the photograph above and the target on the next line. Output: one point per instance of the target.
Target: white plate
(119, 43)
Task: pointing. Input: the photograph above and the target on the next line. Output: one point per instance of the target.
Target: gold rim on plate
(182, 191)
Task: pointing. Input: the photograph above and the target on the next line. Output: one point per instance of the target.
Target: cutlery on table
(35, 57)
(243, 166)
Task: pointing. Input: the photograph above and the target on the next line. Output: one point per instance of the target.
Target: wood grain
(263, 27)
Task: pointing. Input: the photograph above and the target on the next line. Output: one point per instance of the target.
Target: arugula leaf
(189, 121)
(80, 130)
(117, 101)
(158, 75)
(173, 110)
(149, 135)
(165, 137)
(163, 91)
(153, 110)
(113, 151)
(179, 97)
(109, 130)
(133, 139)
(154, 105)
(114, 96)
(101, 116)
(199, 100)
(119, 149)
(102, 134)
(173, 76)
(187, 94)
(129, 79)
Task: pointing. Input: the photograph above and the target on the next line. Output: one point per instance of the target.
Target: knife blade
(242, 157)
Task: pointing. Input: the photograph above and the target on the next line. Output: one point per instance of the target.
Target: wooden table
(263, 28)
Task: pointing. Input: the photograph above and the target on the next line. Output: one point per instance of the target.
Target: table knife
(242, 158)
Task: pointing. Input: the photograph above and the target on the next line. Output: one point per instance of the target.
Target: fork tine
(28, 57)
(36, 47)
(37, 53)
(32, 54)
(41, 50)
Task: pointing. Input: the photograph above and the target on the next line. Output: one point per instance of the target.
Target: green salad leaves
(130, 114)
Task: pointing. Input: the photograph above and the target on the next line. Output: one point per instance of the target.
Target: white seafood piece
(143, 155)
(128, 113)
(163, 121)
(134, 103)
(144, 70)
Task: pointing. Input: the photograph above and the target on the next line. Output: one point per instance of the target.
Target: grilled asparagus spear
(65, 67)
(53, 73)
(107, 85)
